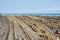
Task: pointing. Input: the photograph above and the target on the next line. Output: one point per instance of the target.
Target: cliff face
(29, 28)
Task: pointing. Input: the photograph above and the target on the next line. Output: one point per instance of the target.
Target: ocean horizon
(31, 14)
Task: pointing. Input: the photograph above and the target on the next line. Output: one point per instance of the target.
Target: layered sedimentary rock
(29, 28)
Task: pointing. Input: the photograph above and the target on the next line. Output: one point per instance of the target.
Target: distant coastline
(31, 14)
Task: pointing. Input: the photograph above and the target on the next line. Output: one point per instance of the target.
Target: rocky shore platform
(29, 28)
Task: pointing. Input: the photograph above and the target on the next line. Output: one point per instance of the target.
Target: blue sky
(29, 6)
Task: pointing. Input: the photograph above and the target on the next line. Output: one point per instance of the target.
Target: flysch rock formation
(29, 28)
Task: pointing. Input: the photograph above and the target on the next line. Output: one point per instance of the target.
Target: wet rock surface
(29, 28)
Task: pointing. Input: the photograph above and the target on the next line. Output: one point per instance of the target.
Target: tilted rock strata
(29, 28)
